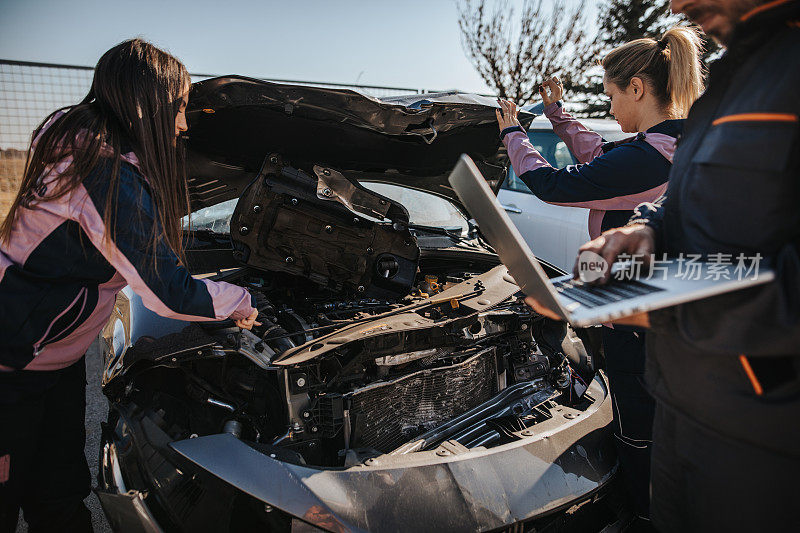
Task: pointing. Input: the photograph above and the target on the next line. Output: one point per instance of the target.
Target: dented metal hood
(414, 141)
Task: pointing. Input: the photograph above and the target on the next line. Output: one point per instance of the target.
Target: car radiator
(385, 415)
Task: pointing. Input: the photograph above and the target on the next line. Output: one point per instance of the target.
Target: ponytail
(670, 65)
(684, 82)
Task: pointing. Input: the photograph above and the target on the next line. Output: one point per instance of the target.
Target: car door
(553, 232)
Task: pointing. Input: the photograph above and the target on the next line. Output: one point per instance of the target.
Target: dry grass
(10, 175)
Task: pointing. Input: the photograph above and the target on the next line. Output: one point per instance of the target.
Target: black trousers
(703, 481)
(634, 410)
(43, 468)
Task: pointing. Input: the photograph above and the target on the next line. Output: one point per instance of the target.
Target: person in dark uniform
(725, 371)
(98, 208)
(651, 84)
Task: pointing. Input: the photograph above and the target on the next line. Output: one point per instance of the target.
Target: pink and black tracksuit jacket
(59, 275)
(611, 178)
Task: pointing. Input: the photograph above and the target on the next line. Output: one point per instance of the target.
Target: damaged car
(397, 381)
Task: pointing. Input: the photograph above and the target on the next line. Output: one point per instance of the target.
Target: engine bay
(369, 344)
(396, 369)
(459, 361)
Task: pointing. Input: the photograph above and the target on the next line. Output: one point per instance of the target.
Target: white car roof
(599, 125)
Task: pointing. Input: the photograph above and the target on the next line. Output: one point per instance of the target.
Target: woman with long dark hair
(652, 84)
(99, 208)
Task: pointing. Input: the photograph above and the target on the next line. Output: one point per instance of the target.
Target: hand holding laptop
(636, 240)
(624, 299)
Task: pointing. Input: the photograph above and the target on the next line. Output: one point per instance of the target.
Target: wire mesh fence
(30, 91)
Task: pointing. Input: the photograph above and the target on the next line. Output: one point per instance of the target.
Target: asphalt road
(96, 412)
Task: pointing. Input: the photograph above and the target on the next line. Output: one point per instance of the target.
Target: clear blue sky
(410, 43)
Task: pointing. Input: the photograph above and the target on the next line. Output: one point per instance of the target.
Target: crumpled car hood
(236, 123)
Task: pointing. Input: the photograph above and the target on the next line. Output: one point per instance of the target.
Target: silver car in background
(554, 231)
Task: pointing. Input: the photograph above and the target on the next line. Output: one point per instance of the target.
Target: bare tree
(513, 54)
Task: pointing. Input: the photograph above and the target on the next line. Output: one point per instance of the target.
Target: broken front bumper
(451, 490)
(125, 510)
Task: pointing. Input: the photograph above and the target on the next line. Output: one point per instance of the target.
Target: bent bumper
(473, 490)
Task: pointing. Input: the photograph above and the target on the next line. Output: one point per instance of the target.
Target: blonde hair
(671, 66)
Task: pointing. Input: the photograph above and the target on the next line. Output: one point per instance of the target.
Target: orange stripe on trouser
(757, 117)
(5, 467)
(751, 375)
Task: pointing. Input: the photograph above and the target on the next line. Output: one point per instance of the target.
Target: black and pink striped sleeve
(165, 286)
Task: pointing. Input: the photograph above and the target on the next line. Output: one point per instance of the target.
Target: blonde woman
(652, 84)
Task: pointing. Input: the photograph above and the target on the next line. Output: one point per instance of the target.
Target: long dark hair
(132, 105)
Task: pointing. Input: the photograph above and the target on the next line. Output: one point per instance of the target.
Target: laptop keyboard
(597, 295)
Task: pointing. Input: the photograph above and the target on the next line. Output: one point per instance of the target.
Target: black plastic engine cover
(281, 224)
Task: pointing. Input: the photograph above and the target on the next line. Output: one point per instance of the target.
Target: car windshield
(216, 218)
(424, 209)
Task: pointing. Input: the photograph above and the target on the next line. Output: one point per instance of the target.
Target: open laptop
(583, 304)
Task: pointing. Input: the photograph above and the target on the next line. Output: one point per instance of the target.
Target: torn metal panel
(477, 490)
(478, 294)
(128, 512)
(333, 185)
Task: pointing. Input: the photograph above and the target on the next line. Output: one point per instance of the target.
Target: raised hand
(551, 90)
(507, 114)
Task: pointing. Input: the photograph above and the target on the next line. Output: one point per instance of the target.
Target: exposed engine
(396, 380)
(335, 382)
